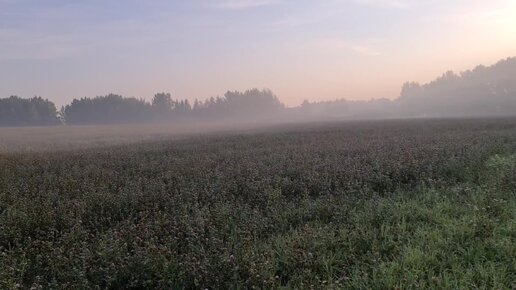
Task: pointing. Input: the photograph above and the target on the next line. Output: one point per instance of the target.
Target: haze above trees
(483, 91)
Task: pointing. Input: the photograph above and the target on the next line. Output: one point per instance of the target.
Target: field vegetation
(360, 205)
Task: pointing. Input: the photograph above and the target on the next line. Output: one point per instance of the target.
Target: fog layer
(483, 91)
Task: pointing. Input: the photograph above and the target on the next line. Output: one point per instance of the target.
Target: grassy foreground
(399, 205)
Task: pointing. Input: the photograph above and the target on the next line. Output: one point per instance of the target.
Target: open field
(67, 138)
(361, 205)
(53, 138)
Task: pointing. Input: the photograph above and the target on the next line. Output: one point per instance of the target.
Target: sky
(300, 49)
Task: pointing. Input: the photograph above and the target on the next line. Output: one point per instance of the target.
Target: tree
(15, 111)
(162, 102)
(107, 109)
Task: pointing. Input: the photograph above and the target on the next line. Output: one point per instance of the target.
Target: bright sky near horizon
(300, 49)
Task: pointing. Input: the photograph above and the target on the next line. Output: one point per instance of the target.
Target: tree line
(15, 111)
(483, 91)
(251, 104)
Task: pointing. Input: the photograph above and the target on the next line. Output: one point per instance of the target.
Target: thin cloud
(296, 21)
(365, 50)
(28, 45)
(244, 4)
(341, 46)
(385, 3)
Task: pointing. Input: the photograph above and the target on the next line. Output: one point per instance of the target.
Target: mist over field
(257, 144)
(481, 92)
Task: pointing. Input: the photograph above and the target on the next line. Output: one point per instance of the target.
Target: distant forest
(16, 111)
(483, 91)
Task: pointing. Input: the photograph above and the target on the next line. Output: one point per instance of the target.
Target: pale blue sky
(301, 49)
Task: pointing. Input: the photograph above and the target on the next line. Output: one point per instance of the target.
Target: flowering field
(363, 205)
